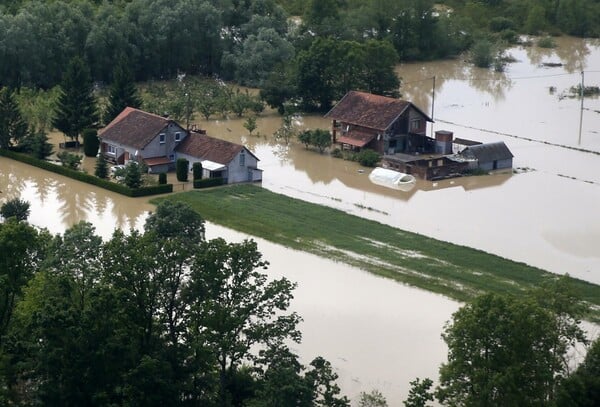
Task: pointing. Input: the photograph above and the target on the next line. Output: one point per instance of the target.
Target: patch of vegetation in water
(456, 271)
(575, 91)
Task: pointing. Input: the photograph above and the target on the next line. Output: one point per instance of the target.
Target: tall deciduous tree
(123, 92)
(19, 256)
(582, 389)
(13, 127)
(76, 107)
(233, 308)
(507, 351)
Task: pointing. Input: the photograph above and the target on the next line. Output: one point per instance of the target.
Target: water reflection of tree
(100, 202)
(537, 55)
(76, 203)
(11, 184)
(490, 82)
(122, 217)
(318, 167)
(43, 185)
(572, 53)
(419, 90)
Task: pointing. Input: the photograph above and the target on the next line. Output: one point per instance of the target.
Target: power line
(496, 79)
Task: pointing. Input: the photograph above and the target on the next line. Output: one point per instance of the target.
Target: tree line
(306, 53)
(163, 316)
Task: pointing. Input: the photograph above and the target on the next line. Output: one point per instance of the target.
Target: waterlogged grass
(455, 271)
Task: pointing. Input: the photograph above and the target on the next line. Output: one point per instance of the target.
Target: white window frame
(111, 150)
(162, 138)
(178, 136)
(242, 158)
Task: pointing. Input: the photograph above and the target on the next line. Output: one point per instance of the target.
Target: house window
(161, 138)
(177, 136)
(110, 149)
(415, 124)
(242, 158)
(172, 157)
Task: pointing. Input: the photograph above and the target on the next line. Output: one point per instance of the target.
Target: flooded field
(377, 333)
(545, 215)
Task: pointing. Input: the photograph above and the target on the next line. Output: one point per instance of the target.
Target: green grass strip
(458, 272)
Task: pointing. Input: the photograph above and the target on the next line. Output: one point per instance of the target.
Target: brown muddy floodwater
(377, 333)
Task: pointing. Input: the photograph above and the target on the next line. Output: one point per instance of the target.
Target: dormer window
(161, 138)
(177, 136)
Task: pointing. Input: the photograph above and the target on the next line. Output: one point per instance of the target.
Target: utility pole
(581, 109)
(432, 103)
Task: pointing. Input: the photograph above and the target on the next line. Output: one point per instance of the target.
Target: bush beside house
(182, 167)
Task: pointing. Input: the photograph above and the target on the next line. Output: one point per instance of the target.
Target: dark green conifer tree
(123, 92)
(101, 169)
(76, 108)
(12, 125)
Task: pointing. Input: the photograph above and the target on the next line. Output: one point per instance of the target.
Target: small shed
(490, 156)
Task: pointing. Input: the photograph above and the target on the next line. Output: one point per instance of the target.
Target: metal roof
(489, 152)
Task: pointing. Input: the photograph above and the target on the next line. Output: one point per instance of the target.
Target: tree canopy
(510, 351)
(154, 317)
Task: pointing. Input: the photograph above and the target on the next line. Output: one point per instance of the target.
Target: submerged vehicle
(392, 179)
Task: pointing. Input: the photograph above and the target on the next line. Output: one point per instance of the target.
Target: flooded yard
(377, 333)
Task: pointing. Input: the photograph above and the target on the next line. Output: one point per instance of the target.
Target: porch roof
(357, 140)
(150, 162)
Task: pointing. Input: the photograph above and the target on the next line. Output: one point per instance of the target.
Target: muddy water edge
(377, 333)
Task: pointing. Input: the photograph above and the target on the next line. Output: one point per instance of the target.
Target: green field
(456, 271)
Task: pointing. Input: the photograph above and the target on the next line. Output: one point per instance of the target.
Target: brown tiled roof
(209, 148)
(368, 110)
(133, 127)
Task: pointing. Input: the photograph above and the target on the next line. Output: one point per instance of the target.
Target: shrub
(91, 143)
(337, 153)
(498, 24)
(482, 53)
(162, 178)
(69, 160)
(546, 42)
(509, 36)
(208, 182)
(101, 169)
(197, 170)
(368, 158)
(182, 167)
(36, 143)
(318, 138)
(133, 175)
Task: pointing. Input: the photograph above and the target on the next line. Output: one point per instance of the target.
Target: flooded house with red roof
(397, 130)
(386, 125)
(135, 135)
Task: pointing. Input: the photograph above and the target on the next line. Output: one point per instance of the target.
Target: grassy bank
(456, 271)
